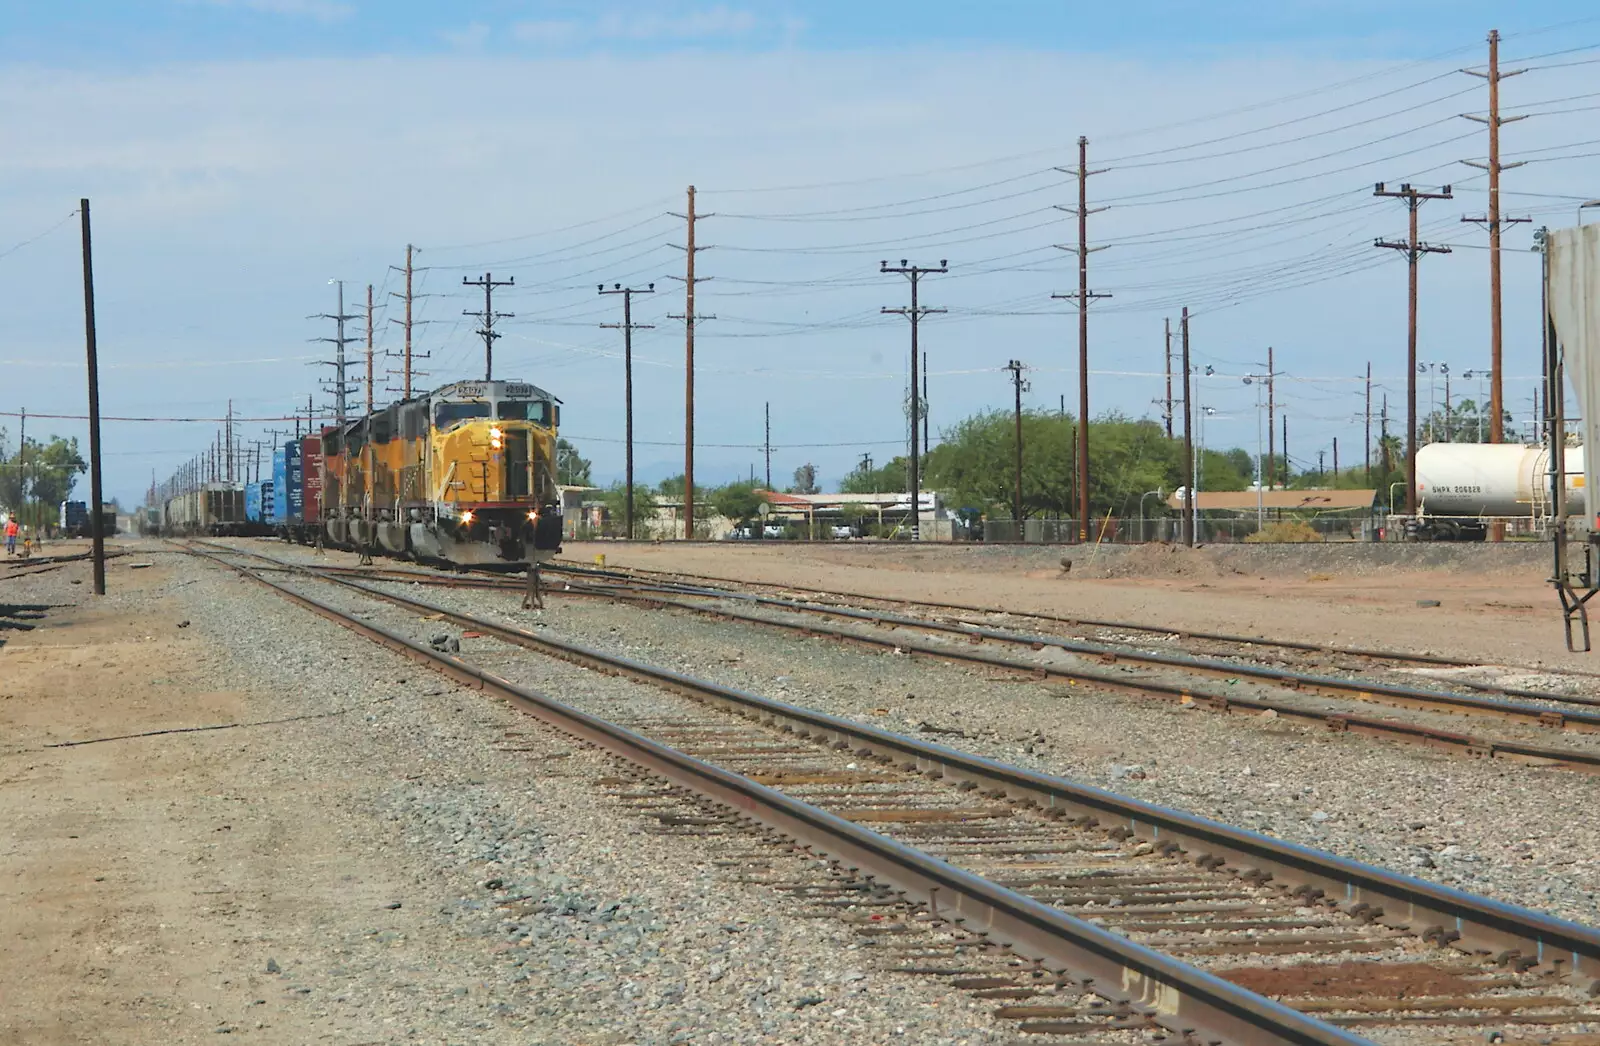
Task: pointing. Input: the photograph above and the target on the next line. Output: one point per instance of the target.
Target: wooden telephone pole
(915, 313)
(1016, 368)
(1414, 250)
(1083, 297)
(627, 327)
(1494, 221)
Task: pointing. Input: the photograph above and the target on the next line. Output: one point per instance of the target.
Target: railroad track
(1085, 915)
(898, 634)
(1223, 644)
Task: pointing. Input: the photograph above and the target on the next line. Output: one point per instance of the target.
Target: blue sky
(185, 30)
(240, 153)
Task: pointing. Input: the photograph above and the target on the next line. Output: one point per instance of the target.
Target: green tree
(805, 480)
(736, 502)
(890, 479)
(41, 473)
(615, 499)
(671, 487)
(572, 470)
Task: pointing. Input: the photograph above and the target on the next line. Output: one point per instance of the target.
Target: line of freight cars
(219, 510)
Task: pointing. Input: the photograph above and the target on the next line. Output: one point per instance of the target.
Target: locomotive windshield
(447, 414)
(536, 411)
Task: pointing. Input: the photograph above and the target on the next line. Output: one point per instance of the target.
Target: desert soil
(1494, 603)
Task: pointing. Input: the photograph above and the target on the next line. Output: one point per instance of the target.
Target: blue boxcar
(257, 496)
(295, 504)
(280, 486)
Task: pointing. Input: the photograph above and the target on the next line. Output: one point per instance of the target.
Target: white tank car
(1487, 479)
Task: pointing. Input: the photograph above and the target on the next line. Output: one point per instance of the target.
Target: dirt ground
(1494, 602)
(144, 876)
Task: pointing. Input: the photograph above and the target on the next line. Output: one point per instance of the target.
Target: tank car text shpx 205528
(463, 475)
(1463, 487)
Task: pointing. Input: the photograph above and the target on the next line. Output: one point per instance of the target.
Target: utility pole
(227, 458)
(925, 411)
(1272, 448)
(915, 313)
(1413, 250)
(1287, 464)
(1167, 323)
(627, 327)
(369, 348)
(340, 387)
(96, 492)
(1321, 458)
(1188, 442)
(487, 318)
(1336, 459)
(1016, 368)
(1369, 423)
(689, 318)
(408, 371)
(769, 445)
(1494, 221)
(1083, 297)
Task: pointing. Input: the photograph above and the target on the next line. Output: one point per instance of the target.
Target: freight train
(1463, 487)
(465, 475)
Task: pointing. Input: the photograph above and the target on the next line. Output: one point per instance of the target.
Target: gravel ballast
(570, 923)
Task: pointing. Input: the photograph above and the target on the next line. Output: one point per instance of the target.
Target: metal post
(1016, 368)
(407, 386)
(488, 316)
(688, 379)
(369, 348)
(1272, 453)
(96, 493)
(768, 415)
(1369, 423)
(1167, 324)
(1188, 442)
(925, 410)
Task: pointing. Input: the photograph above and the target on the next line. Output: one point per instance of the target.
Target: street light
(1583, 206)
(1158, 492)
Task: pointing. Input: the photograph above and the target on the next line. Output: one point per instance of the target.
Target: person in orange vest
(11, 536)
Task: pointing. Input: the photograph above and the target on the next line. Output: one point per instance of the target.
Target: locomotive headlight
(496, 438)
(466, 517)
(533, 515)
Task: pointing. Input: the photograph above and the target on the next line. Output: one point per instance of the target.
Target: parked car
(842, 531)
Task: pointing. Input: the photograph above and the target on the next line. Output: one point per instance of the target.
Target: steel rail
(1438, 913)
(1366, 691)
(631, 573)
(1174, 994)
(1459, 743)
(1329, 685)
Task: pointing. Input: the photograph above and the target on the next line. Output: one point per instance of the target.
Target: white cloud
(548, 33)
(710, 23)
(321, 10)
(470, 37)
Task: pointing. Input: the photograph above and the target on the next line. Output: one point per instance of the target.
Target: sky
(242, 154)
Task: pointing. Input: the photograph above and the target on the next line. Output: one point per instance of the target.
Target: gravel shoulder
(417, 864)
(1520, 834)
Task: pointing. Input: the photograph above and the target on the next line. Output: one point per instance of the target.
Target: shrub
(1289, 530)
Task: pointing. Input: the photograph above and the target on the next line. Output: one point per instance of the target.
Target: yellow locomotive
(464, 475)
